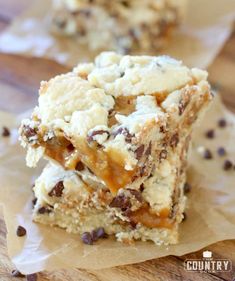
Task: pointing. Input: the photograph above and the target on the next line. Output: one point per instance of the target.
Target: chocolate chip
(29, 132)
(57, 191)
(98, 233)
(210, 134)
(125, 132)
(163, 154)
(149, 149)
(121, 202)
(44, 210)
(91, 136)
(227, 165)
(139, 151)
(136, 194)
(17, 273)
(141, 187)
(80, 166)
(20, 231)
(87, 238)
(174, 140)
(187, 188)
(222, 123)
(32, 277)
(221, 151)
(5, 132)
(207, 154)
(34, 201)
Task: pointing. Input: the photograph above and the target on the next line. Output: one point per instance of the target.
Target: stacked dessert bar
(124, 26)
(116, 133)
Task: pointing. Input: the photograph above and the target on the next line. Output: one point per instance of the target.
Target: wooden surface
(19, 81)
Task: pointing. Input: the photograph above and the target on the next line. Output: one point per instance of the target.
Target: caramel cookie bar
(118, 117)
(123, 26)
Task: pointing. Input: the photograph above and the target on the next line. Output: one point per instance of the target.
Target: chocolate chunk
(87, 238)
(125, 132)
(98, 233)
(174, 140)
(80, 166)
(91, 136)
(32, 277)
(139, 151)
(187, 188)
(141, 187)
(17, 273)
(121, 202)
(227, 165)
(44, 210)
(222, 123)
(70, 147)
(149, 149)
(221, 151)
(163, 154)
(21, 231)
(207, 154)
(137, 194)
(29, 132)
(57, 191)
(210, 134)
(5, 132)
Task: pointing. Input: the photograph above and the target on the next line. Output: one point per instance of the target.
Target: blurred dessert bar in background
(123, 26)
(116, 133)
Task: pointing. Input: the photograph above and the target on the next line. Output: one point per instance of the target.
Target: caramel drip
(108, 166)
(150, 219)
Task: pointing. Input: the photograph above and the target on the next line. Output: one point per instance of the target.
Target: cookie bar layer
(119, 116)
(121, 25)
(78, 202)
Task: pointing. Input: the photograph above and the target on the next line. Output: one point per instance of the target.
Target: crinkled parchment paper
(207, 26)
(210, 211)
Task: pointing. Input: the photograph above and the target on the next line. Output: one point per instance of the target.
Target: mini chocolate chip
(44, 210)
(70, 147)
(222, 123)
(98, 233)
(149, 149)
(207, 154)
(163, 154)
(17, 273)
(137, 194)
(87, 238)
(120, 201)
(122, 74)
(221, 151)
(32, 277)
(139, 151)
(210, 134)
(162, 129)
(184, 217)
(174, 140)
(57, 191)
(34, 201)
(133, 224)
(187, 188)
(125, 3)
(5, 132)
(80, 166)
(29, 132)
(91, 136)
(125, 132)
(21, 231)
(141, 187)
(227, 165)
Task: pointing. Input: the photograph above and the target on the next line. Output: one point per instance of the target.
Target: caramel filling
(150, 219)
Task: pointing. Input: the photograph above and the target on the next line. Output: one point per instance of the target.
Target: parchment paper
(208, 24)
(210, 211)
